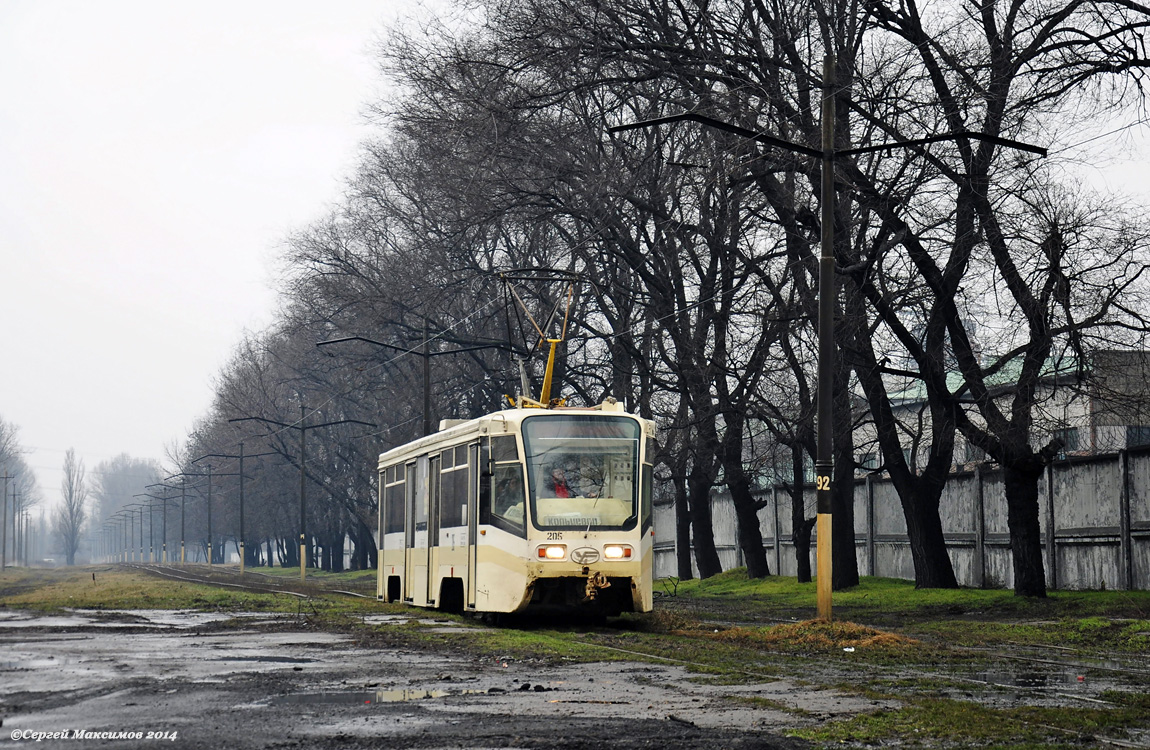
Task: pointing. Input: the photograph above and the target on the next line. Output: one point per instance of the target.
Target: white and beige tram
(520, 510)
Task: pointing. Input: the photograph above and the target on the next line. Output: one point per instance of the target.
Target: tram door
(381, 529)
(415, 564)
(432, 560)
(475, 476)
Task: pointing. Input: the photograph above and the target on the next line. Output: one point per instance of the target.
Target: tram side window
(502, 493)
(509, 494)
(454, 490)
(394, 498)
(646, 479)
(503, 448)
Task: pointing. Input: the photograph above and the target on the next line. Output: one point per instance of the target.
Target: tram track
(269, 584)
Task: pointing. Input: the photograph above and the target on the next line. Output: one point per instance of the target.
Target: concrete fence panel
(1094, 515)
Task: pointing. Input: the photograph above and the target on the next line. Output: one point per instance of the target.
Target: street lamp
(303, 428)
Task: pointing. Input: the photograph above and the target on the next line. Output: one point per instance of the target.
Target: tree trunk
(364, 543)
(288, 552)
(699, 484)
(919, 494)
(1021, 486)
(801, 526)
(801, 536)
(845, 573)
(747, 513)
(682, 531)
(750, 535)
(338, 541)
(932, 566)
(372, 554)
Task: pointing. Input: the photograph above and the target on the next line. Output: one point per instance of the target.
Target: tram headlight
(617, 552)
(552, 552)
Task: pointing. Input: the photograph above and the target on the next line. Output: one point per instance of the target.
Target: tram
(526, 509)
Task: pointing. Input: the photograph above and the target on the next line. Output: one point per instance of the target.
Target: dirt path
(271, 681)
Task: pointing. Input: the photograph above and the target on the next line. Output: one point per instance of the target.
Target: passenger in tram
(558, 483)
(509, 497)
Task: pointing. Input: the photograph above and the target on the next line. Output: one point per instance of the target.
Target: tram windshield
(582, 471)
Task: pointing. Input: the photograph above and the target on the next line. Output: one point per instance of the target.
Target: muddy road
(343, 670)
(188, 679)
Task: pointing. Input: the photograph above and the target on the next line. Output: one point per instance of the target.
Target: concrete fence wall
(1094, 514)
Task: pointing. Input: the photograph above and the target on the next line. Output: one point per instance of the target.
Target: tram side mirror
(486, 463)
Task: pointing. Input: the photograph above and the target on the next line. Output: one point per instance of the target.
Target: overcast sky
(153, 157)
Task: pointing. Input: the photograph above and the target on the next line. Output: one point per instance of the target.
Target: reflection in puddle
(269, 659)
(369, 697)
(1051, 687)
(27, 665)
(137, 618)
(1029, 678)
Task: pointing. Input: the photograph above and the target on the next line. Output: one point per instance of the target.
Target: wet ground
(262, 680)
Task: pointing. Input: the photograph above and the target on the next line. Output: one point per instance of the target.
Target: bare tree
(72, 512)
(117, 480)
(22, 482)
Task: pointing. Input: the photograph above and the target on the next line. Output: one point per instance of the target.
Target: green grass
(316, 574)
(110, 587)
(107, 587)
(929, 720)
(886, 598)
(1093, 634)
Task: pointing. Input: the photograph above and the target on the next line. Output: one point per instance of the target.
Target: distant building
(1099, 408)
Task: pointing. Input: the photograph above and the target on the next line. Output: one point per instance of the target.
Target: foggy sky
(153, 157)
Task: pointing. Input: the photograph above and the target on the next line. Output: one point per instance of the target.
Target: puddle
(30, 664)
(1055, 687)
(1029, 679)
(369, 697)
(402, 620)
(268, 659)
(16, 619)
(386, 619)
(177, 619)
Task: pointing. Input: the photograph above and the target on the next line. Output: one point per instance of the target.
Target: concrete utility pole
(17, 539)
(183, 507)
(303, 427)
(162, 554)
(241, 456)
(824, 454)
(4, 523)
(209, 475)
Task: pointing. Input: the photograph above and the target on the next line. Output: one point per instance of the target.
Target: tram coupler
(595, 583)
